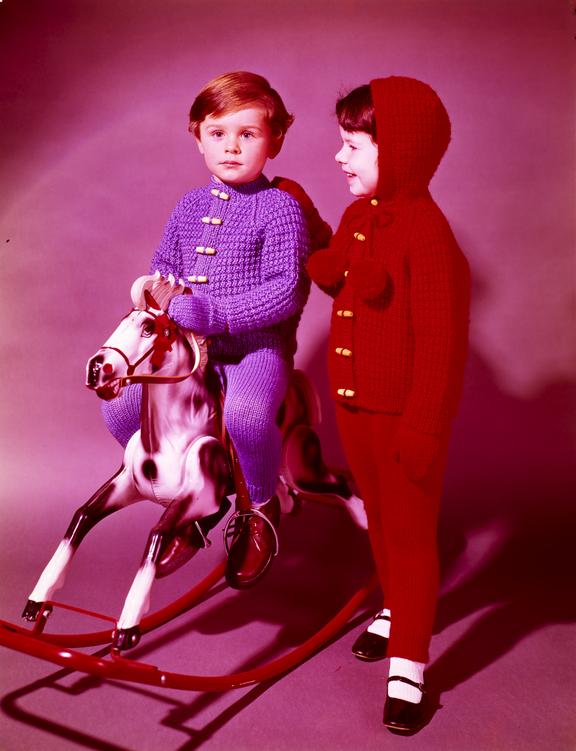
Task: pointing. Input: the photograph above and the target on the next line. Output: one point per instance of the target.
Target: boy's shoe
(194, 538)
(253, 545)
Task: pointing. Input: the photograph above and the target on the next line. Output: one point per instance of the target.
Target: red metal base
(58, 648)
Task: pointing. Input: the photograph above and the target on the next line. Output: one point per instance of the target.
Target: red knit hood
(413, 131)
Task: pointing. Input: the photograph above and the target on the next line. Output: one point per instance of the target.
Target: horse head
(147, 346)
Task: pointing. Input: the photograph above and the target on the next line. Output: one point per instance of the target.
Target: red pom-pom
(369, 278)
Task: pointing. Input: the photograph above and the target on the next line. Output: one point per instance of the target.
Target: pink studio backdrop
(95, 152)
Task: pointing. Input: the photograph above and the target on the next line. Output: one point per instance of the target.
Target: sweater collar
(261, 183)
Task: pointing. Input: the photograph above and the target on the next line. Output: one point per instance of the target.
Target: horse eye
(148, 329)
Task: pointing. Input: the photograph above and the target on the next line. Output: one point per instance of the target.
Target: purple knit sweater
(242, 250)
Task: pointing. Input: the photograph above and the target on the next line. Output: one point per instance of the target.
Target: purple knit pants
(254, 390)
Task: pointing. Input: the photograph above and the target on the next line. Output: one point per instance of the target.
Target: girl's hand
(327, 268)
(320, 231)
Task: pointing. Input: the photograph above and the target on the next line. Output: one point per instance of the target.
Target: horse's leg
(186, 521)
(137, 601)
(115, 494)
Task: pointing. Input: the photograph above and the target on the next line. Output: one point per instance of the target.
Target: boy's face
(237, 144)
(358, 159)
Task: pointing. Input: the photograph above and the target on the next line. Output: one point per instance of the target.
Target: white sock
(379, 625)
(407, 669)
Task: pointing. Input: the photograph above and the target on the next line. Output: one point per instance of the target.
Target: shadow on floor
(507, 523)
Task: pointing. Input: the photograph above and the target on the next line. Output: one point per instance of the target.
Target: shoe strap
(401, 678)
(381, 617)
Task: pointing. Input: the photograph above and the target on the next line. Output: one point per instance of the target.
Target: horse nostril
(93, 371)
(107, 368)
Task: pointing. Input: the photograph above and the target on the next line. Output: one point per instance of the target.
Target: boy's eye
(217, 133)
(247, 134)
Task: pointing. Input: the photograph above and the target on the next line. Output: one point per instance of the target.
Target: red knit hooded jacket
(400, 283)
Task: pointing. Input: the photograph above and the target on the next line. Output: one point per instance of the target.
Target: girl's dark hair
(355, 112)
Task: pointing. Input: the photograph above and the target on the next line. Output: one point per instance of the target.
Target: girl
(397, 349)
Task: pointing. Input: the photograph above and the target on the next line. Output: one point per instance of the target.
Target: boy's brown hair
(233, 91)
(355, 112)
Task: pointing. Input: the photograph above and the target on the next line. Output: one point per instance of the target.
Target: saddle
(303, 472)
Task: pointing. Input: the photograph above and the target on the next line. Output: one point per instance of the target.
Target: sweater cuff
(198, 313)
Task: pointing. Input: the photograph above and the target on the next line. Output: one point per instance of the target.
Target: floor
(499, 657)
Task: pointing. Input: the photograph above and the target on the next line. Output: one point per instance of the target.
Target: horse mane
(163, 289)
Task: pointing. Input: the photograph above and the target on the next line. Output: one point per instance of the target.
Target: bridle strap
(130, 378)
(132, 367)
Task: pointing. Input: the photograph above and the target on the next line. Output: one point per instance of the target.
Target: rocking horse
(180, 458)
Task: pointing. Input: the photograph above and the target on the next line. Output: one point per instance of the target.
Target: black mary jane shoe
(371, 647)
(403, 716)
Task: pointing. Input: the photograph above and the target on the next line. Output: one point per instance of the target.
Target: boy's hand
(368, 278)
(197, 313)
(416, 452)
(320, 231)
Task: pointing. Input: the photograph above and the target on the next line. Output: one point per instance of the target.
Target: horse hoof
(32, 611)
(126, 638)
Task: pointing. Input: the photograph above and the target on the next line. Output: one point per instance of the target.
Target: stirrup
(230, 528)
(201, 538)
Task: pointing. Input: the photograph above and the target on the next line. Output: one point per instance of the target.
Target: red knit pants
(402, 526)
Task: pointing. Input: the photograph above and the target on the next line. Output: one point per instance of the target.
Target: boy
(241, 245)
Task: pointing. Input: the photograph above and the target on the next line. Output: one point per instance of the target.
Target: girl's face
(237, 144)
(358, 159)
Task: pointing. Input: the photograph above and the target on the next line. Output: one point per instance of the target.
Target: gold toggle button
(200, 249)
(198, 279)
(220, 194)
(344, 351)
(205, 220)
(345, 313)
(210, 251)
(374, 202)
(349, 393)
(359, 236)
(215, 220)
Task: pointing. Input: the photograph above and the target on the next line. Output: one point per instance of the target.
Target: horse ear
(137, 290)
(150, 301)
